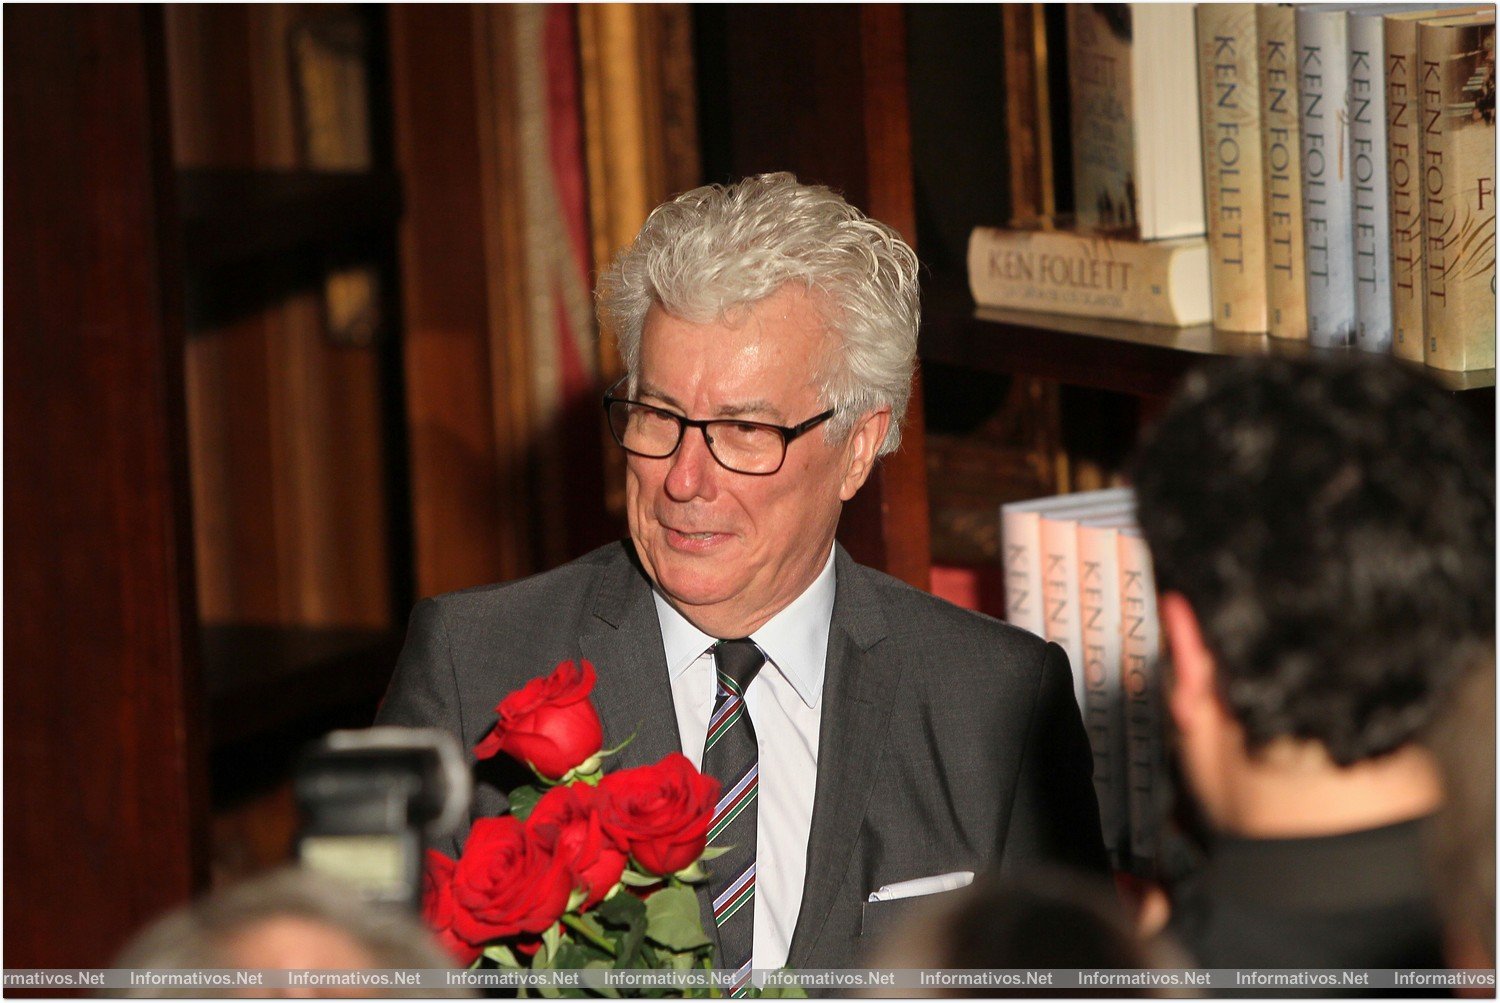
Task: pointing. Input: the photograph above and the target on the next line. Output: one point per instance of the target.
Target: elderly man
(1323, 542)
(894, 744)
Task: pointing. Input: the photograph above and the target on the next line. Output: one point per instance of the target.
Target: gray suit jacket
(950, 741)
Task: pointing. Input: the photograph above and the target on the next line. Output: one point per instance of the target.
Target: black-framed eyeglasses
(745, 447)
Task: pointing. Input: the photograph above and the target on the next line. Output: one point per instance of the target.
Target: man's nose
(693, 468)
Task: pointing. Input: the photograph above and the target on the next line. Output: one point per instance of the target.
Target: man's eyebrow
(763, 408)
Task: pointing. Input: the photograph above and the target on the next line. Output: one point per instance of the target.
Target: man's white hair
(715, 249)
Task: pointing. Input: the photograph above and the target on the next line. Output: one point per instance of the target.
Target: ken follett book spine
(1323, 81)
(1404, 172)
(1140, 650)
(1103, 710)
(1281, 166)
(1087, 275)
(1233, 188)
(1367, 166)
(1456, 75)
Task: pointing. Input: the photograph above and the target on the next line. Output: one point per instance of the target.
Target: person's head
(290, 918)
(766, 301)
(1463, 836)
(1322, 536)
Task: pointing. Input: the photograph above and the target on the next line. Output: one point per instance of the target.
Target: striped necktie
(730, 756)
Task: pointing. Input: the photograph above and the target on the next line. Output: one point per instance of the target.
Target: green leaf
(523, 800)
(672, 920)
(576, 899)
(628, 914)
(571, 956)
(502, 955)
(552, 938)
(590, 927)
(710, 852)
(638, 880)
(621, 910)
(692, 874)
(682, 961)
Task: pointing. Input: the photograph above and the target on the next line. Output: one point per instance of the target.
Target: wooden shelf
(235, 216)
(258, 679)
(1139, 359)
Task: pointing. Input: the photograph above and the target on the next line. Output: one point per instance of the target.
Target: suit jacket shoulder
(466, 650)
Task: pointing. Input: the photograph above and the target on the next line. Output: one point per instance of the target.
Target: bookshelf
(233, 216)
(1142, 360)
(905, 112)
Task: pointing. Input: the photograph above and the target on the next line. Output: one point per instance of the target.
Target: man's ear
(1193, 690)
(860, 450)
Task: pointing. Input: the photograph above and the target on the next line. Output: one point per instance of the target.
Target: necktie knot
(738, 660)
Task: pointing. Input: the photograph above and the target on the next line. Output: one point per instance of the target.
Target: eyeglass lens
(744, 447)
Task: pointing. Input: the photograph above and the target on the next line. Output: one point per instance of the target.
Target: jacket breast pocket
(880, 920)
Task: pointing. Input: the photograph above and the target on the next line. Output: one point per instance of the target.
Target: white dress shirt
(785, 704)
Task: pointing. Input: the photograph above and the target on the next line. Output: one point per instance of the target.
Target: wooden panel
(286, 429)
(822, 91)
(468, 493)
(104, 790)
(641, 139)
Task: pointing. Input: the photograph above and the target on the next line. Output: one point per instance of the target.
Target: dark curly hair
(1332, 525)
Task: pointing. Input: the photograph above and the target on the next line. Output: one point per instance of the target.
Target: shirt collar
(795, 640)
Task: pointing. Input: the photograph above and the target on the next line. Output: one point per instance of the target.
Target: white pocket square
(923, 886)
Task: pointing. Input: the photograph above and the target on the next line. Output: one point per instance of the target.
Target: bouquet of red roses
(588, 870)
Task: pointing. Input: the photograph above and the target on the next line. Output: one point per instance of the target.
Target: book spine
(1099, 94)
(1061, 624)
(1088, 276)
(1371, 200)
(1229, 90)
(1140, 646)
(1323, 81)
(1103, 712)
(1403, 172)
(1021, 545)
(1281, 166)
(1456, 75)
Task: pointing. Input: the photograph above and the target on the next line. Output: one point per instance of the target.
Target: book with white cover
(1140, 651)
(1327, 196)
(1104, 695)
(1137, 159)
(1061, 622)
(1021, 548)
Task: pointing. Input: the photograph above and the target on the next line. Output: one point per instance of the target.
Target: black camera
(371, 800)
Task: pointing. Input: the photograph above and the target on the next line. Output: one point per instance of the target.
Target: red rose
(549, 722)
(566, 822)
(438, 909)
(506, 883)
(662, 812)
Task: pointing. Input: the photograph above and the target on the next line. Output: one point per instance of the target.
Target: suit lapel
(632, 691)
(633, 694)
(858, 689)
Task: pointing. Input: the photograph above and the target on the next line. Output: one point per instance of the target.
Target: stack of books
(1136, 248)
(1347, 156)
(1077, 572)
